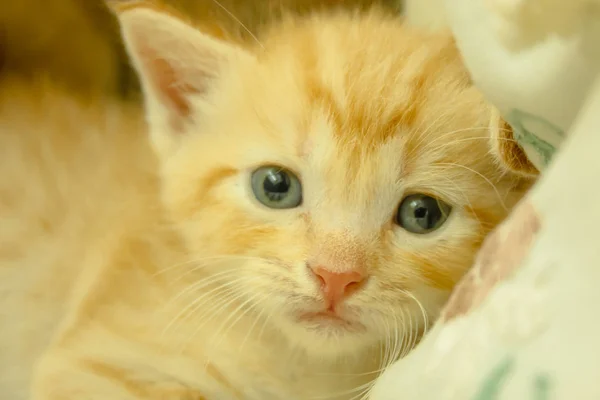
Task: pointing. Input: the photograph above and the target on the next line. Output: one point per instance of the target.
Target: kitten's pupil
(276, 183)
(420, 212)
(427, 212)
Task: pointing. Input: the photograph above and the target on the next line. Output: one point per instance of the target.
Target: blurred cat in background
(74, 42)
(291, 219)
(77, 43)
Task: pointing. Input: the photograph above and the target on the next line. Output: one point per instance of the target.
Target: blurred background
(76, 43)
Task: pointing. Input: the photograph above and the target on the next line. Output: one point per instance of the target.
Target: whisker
(466, 198)
(219, 307)
(220, 259)
(239, 22)
(251, 329)
(264, 325)
(397, 348)
(250, 301)
(481, 176)
(198, 301)
(412, 333)
(397, 342)
(231, 295)
(225, 257)
(200, 284)
(361, 395)
(424, 134)
(171, 267)
(342, 393)
(469, 139)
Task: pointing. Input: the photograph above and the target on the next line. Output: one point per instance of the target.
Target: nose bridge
(339, 252)
(346, 211)
(344, 222)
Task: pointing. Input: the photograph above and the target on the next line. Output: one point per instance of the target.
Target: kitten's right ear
(509, 154)
(176, 64)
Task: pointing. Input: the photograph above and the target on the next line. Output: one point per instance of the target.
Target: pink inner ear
(172, 87)
(175, 82)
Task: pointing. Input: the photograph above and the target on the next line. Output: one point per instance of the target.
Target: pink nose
(338, 285)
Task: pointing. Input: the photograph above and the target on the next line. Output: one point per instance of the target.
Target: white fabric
(538, 86)
(523, 324)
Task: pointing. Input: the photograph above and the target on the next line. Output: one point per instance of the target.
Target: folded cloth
(535, 60)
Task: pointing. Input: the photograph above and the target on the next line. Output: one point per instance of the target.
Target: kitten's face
(348, 146)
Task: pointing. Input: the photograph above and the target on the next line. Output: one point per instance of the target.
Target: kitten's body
(71, 184)
(196, 291)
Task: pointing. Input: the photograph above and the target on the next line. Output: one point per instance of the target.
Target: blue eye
(419, 213)
(276, 187)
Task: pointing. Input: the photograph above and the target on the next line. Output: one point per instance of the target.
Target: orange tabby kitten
(309, 201)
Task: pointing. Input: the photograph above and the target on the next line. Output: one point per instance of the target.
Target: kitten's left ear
(176, 64)
(507, 150)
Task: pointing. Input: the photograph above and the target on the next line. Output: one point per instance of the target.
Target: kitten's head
(340, 174)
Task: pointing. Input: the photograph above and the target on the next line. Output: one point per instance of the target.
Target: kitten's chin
(327, 334)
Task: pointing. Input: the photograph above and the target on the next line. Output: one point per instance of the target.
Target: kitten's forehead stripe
(217, 175)
(371, 97)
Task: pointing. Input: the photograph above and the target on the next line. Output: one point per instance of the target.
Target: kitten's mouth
(329, 319)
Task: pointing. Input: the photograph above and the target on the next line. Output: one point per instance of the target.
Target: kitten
(310, 199)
